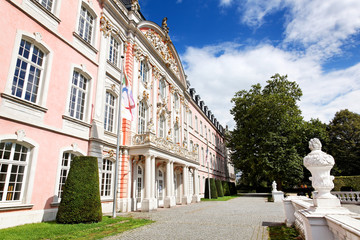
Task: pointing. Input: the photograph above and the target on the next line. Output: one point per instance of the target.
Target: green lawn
(51, 230)
(224, 198)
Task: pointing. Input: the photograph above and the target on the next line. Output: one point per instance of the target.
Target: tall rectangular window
(86, 24)
(190, 118)
(144, 71)
(65, 168)
(28, 72)
(114, 51)
(13, 165)
(78, 96)
(142, 118)
(109, 112)
(106, 177)
(162, 126)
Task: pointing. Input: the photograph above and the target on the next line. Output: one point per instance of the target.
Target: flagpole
(118, 139)
(207, 156)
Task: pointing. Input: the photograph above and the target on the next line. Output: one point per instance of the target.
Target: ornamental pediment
(161, 46)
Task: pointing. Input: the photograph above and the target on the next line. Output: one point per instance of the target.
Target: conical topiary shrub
(219, 188)
(212, 188)
(80, 202)
(226, 188)
(233, 190)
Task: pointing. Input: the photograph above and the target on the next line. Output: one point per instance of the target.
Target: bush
(80, 202)
(226, 188)
(347, 182)
(213, 189)
(219, 188)
(233, 190)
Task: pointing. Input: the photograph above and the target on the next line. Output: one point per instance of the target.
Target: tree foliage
(265, 139)
(344, 139)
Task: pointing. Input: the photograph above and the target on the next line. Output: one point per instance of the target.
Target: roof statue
(164, 25)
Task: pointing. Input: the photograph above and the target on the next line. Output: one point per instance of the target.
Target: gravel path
(240, 218)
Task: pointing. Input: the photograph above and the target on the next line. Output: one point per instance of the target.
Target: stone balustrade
(348, 197)
(344, 226)
(151, 139)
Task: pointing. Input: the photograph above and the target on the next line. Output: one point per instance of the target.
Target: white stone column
(195, 197)
(172, 198)
(153, 179)
(146, 204)
(185, 184)
(168, 185)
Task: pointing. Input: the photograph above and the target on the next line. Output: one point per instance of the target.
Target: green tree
(265, 139)
(344, 145)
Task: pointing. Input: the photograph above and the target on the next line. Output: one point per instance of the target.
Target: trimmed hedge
(219, 188)
(226, 188)
(233, 190)
(213, 189)
(80, 202)
(347, 182)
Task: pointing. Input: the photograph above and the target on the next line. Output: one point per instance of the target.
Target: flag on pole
(127, 101)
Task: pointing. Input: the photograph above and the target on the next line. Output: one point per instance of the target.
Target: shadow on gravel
(272, 224)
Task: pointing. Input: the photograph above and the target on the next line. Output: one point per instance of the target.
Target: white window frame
(88, 97)
(162, 88)
(110, 112)
(42, 92)
(142, 117)
(162, 126)
(190, 118)
(115, 50)
(196, 124)
(107, 178)
(83, 31)
(24, 201)
(176, 101)
(144, 71)
(176, 133)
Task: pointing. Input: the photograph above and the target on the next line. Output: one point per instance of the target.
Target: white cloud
(218, 71)
(225, 2)
(321, 27)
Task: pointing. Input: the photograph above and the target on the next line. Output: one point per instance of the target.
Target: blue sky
(229, 45)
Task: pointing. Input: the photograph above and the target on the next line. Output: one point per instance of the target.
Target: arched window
(162, 126)
(29, 71)
(14, 159)
(176, 101)
(67, 157)
(109, 112)
(114, 51)
(144, 71)
(142, 117)
(106, 178)
(162, 88)
(176, 133)
(86, 24)
(78, 96)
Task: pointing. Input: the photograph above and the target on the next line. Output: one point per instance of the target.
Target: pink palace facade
(59, 98)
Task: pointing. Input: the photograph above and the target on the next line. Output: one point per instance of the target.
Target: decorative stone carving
(74, 147)
(135, 6)
(161, 46)
(105, 26)
(20, 135)
(319, 164)
(164, 25)
(38, 36)
(150, 126)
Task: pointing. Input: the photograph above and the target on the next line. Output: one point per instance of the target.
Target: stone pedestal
(169, 202)
(147, 205)
(278, 196)
(195, 198)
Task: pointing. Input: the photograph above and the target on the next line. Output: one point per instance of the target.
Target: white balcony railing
(152, 140)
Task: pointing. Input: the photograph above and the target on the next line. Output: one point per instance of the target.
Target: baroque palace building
(60, 86)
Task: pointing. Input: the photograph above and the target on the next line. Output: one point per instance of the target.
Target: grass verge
(283, 233)
(224, 198)
(51, 230)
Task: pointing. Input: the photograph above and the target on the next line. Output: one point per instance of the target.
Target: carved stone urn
(319, 164)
